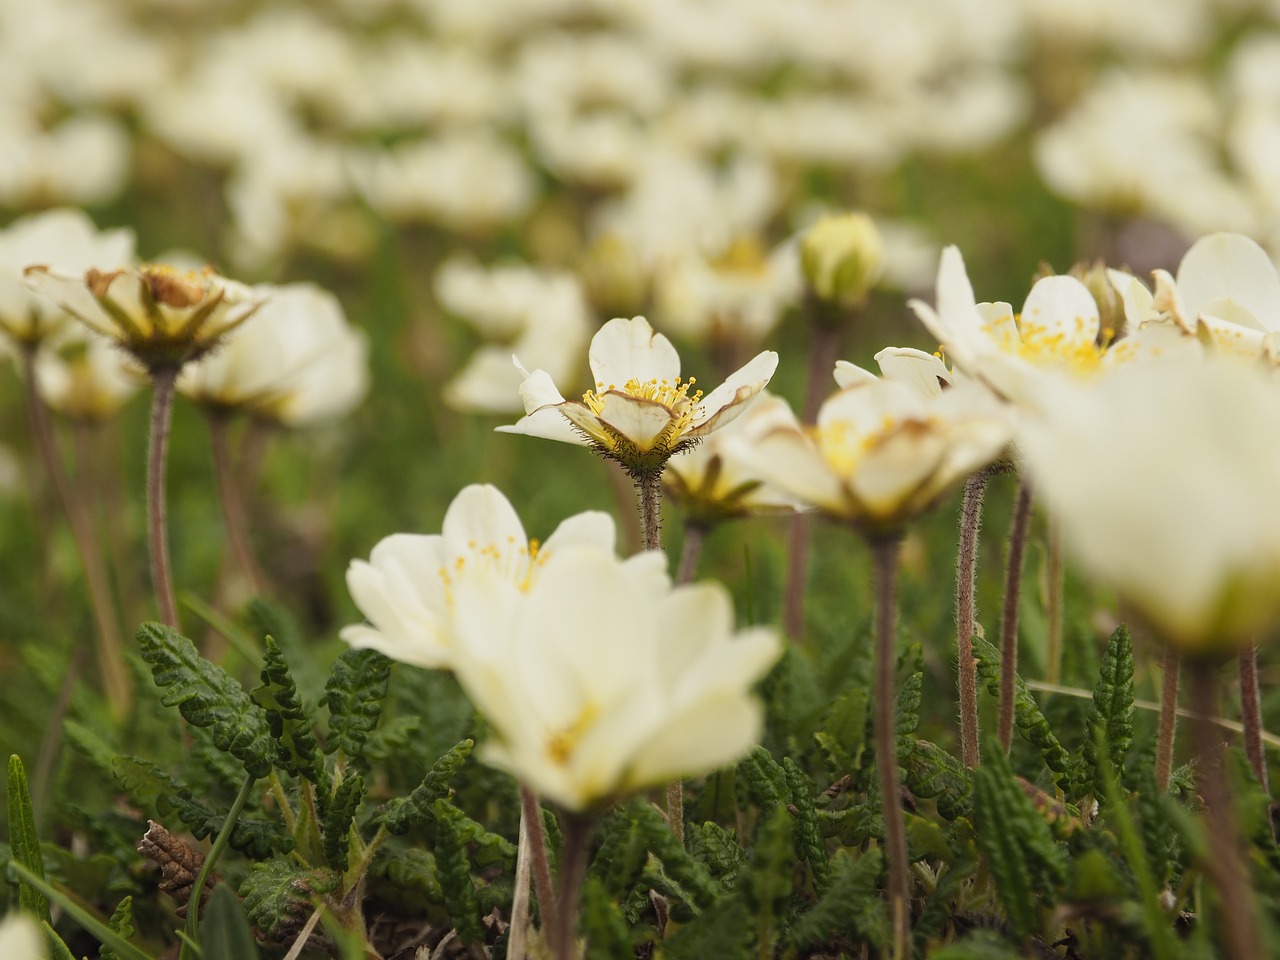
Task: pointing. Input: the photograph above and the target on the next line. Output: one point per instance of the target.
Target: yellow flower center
(672, 395)
(564, 741)
(521, 559)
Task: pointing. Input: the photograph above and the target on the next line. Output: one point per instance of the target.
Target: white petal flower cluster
(585, 705)
(640, 412)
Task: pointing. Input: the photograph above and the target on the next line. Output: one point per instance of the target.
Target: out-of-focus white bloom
(884, 450)
(641, 412)
(300, 361)
(1191, 538)
(923, 372)
(540, 315)
(20, 938)
(64, 238)
(83, 160)
(84, 376)
(1160, 27)
(596, 686)
(736, 297)
(842, 258)
(163, 317)
(711, 484)
(407, 588)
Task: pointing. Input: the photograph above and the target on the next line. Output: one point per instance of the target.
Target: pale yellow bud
(842, 257)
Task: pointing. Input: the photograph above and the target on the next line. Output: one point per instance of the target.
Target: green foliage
(851, 911)
(121, 922)
(1111, 714)
(931, 773)
(411, 870)
(1027, 716)
(724, 931)
(207, 697)
(603, 923)
(719, 850)
(404, 813)
(691, 877)
(224, 931)
(354, 694)
(906, 705)
(809, 843)
(454, 868)
(1026, 863)
(763, 779)
(765, 880)
(24, 843)
(279, 894)
(979, 945)
(843, 737)
(338, 818)
(297, 752)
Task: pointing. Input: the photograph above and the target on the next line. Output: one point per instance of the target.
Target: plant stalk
(886, 552)
(967, 614)
(1251, 715)
(1223, 864)
(695, 535)
(163, 382)
(115, 678)
(649, 486)
(219, 844)
(531, 819)
(1171, 667)
(1018, 531)
(573, 870)
(1054, 602)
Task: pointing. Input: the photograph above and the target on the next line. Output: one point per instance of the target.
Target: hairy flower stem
(1223, 864)
(1018, 531)
(576, 829)
(219, 844)
(115, 678)
(162, 382)
(1251, 715)
(531, 822)
(967, 614)
(649, 485)
(823, 351)
(886, 552)
(1053, 602)
(231, 502)
(695, 534)
(1171, 666)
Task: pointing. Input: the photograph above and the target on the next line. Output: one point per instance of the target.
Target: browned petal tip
(98, 281)
(172, 290)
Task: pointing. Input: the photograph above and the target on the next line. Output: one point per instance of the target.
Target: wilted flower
(65, 238)
(593, 693)
(842, 257)
(300, 361)
(1191, 537)
(407, 588)
(162, 316)
(641, 412)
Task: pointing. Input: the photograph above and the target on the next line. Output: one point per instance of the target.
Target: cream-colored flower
(162, 316)
(407, 588)
(300, 361)
(884, 450)
(596, 686)
(20, 938)
(63, 237)
(84, 376)
(842, 257)
(1191, 537)
(641, 411)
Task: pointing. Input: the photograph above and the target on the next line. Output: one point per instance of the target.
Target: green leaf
(207, 697)
(91, 924)
(409, 869)
(809, 843)
(404, 813)
(765, 880)
(279, 895)
(224, 932)
(980, 945)
(603, 923)
(57, 948)
(122, 923)
(723, 932)
(1028, 867)
(1027, 716)
(621, 857)
(354, 694)
(297, 751)
(906, 705)
(455, 873)
(852, 907)
(763, 779)
(1111, 713)
(24, 842)
(691, 876)
(719, 849)
(843, 737)
(931, 773)
(338, 817)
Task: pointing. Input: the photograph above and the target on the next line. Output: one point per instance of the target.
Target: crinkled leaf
(403, 813)
(354, 694)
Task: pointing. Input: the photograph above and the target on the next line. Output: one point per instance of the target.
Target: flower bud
(1110, 303)
(842, 257)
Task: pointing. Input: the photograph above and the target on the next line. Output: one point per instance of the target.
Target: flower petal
(625, 350)
(1060, 307)
(1229, 267)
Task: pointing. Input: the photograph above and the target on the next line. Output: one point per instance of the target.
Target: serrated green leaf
(279, 894)
(724, 932)
(906, 705)
(338, 818)
(719, 849)
(843, 737)
(24, 843)
(409, 869)
(455, 873)
(1111, 712)
(1027, 865)
(694, 881)
(603, 924)
(402, 814)
(1027, 716)
(224, 932)
(809, 843)
(207, 697)
(58, 950)
(852, 906)
(121, 922)
(931, 773)
(622, 854)
(354, 694)
(763, 778)
(297, 751)
(765, 880)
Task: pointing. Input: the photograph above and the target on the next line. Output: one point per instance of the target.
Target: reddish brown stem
(1018, 530)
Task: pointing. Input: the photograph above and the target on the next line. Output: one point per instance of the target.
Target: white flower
(160, 315)
(1190, 537)
(84, 376)
(641, 412)
(298, 362)
(20, 938)
(63, 237)
(407, 587)
(596, 687)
